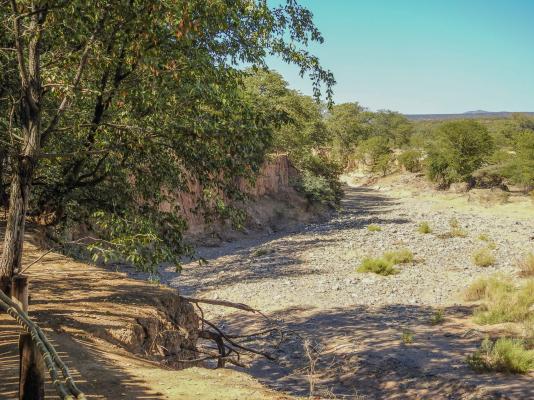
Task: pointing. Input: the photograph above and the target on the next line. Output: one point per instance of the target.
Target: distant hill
(467, 115)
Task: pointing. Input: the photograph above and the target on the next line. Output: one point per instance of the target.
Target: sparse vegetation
(378, 266)
(424, 228)
(374, 228)
(503, 355)
(526, 265)
(483, 257)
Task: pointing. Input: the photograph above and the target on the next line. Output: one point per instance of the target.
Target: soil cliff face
(273, 202)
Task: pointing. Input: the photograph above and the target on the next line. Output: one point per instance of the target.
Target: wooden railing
(36, 354)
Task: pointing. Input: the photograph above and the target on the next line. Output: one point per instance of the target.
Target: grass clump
(487, 288)
(526, 265)
(379, 266)
(437, 317)
(502, 301)
(456, 229)
(373, 228)
(503, 355)
(483, 257)
(484, 237)
(407, 337)
(424, 228)
(401, 256)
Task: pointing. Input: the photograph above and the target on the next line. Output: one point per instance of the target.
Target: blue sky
(426, 56)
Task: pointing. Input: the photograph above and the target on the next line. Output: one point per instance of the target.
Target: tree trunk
(14, 235)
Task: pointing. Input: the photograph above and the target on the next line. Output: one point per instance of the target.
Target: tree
(519, 167)
(298, 130)
(392, 125)
(347, 125)
(376, 153)
(104, 103)
(460, 148)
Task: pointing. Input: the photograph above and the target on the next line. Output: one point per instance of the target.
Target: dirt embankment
(273, 204)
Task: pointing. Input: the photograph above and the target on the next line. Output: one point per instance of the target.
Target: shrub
(460, 148)
(374, 228)
(378, 266)
(318, 180)
(503, 355)
(526, 265)
(424, 228)
(411, 160)
(401, 256)
(483, 257)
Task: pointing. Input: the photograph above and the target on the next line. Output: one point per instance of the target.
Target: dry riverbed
(369, 336)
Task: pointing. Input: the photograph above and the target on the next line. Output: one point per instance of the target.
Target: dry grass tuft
(424, 228)
(483, 257)
(379, 266)
(526, 265)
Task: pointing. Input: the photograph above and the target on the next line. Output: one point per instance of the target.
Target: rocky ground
(371, 335)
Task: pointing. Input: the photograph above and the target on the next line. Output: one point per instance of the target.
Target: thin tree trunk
(14, 235)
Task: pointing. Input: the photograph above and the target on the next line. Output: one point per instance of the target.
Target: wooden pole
(32, 366)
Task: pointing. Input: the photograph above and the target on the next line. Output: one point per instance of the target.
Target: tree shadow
(361, 351)
(90, 366)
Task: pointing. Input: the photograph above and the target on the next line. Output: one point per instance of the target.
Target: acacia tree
(104, 102)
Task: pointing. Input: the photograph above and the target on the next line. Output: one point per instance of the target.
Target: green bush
(378, 266)
(411, 160)
(459, 149)
(503, 355)
(319, 180)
